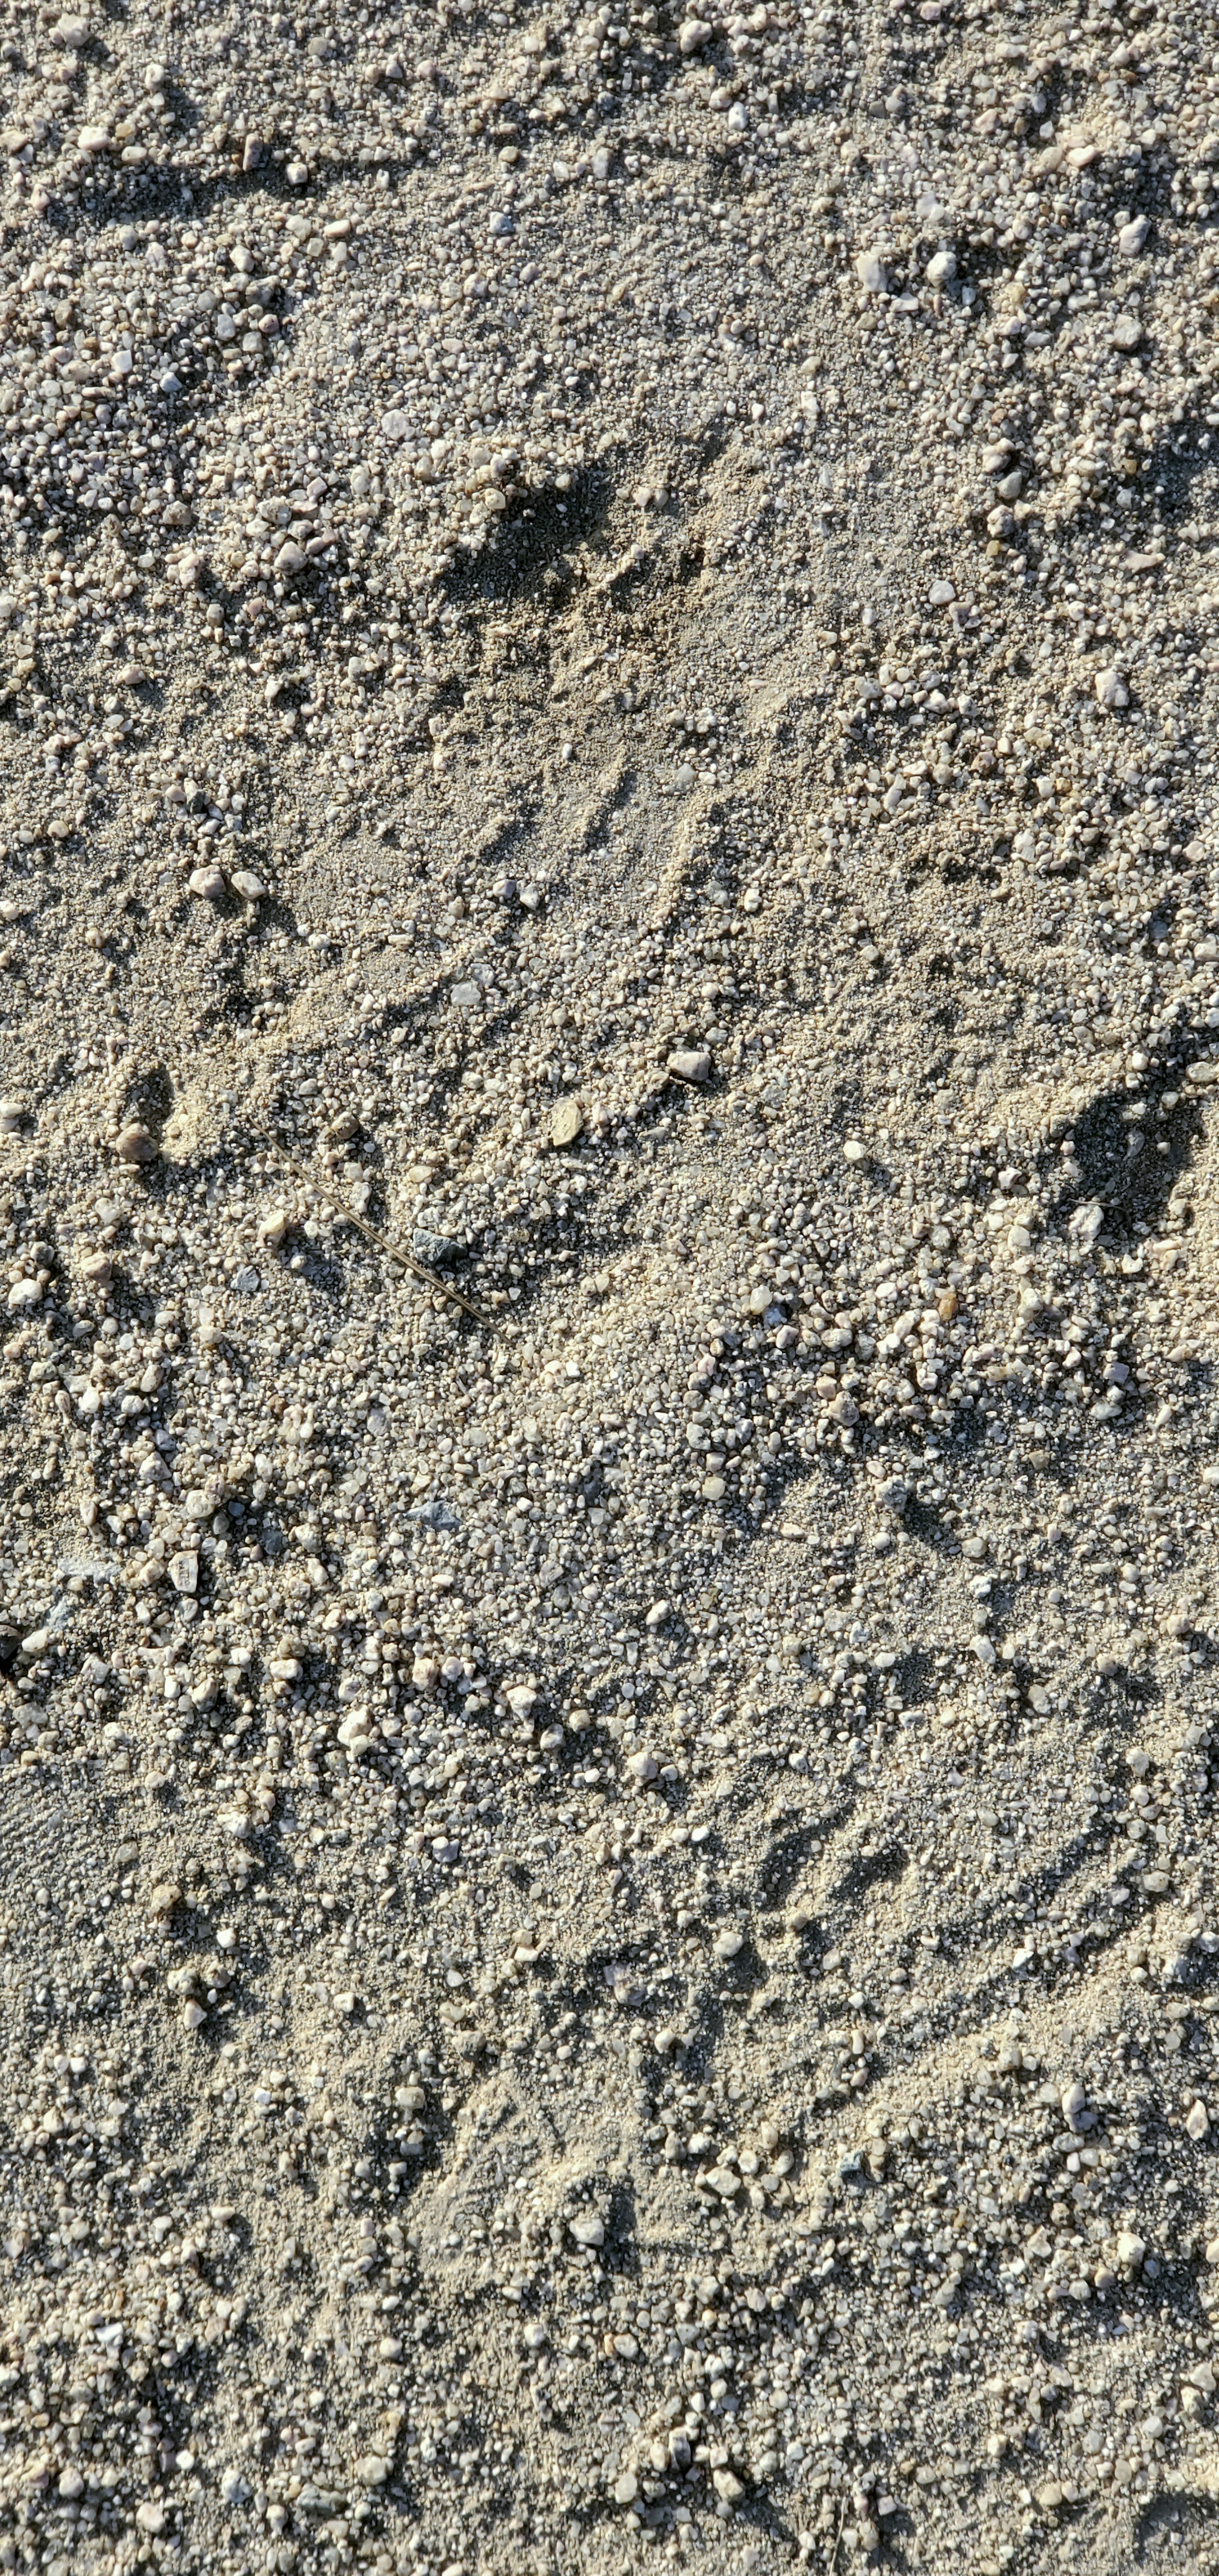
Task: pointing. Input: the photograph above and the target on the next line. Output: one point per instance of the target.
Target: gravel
(610, 949)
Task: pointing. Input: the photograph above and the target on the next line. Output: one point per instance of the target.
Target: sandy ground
(610, 995)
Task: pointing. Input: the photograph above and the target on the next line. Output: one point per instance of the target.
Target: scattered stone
(134, 1144)
(567, 1121)
(209, 882)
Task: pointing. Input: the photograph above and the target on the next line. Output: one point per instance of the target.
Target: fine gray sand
(610, 1001)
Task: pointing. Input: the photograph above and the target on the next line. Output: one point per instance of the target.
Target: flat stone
(567, 1120)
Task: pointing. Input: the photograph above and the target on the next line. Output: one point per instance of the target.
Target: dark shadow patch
(622, 2227)
(866, 1871)
(979, 870)
(1165, 2518)
(1181, 473)
(922, 1521)
(150, 1099)
(786, 1861)
(532, 538)
(914, 1676)
(1115, 1158)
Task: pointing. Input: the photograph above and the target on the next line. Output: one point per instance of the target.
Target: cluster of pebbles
(609, 996)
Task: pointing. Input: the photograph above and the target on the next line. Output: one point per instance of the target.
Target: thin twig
(392, 1251)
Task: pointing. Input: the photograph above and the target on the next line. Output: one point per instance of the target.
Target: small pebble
(567, 1121)
(209, 882)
